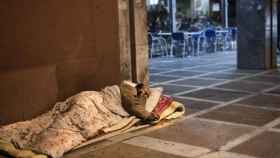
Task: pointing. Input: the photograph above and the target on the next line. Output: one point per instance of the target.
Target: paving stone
(172, 89)
(243, 115)
(193, 106)
(200, 133)
(183, 73)
(159, 78)
(266, 145)
(197, 82)
(267, 79)
(227, 76)
(216, 95)
(262, 101)
(121, 150)
(246, 86)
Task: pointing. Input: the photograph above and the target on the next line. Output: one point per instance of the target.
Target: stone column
(124, 40)
(256, 37)
(139, 41)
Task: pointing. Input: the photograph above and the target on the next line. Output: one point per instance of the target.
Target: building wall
(52, 49)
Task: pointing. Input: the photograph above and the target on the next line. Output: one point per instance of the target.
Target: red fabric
(163, 103)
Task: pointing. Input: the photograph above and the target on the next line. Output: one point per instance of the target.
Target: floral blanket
(69, 123)
(75, 121)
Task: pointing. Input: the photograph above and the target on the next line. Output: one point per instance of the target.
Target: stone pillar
(256, 48)
(139, 41)
(124, 40)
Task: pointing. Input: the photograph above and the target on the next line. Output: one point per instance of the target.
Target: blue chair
(223, 38)
(178, 39)
(211, 38)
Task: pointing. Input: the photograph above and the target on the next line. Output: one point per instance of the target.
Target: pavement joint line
(164, 75)
(222, 154)
(185, 78)
(191, 86)
(209, 57)
(258, 107)
(234, 73)
(196, 60)
(274, 130)
(168, 147)
(196, 69)
(219, 106)
(272, 88)
(239, 73)
(199, 99)
(211, 79)
(224, 122)
(273, 75)
(198, 89)
(179, 79)
(231, 90)
(176, 70)
(188, 69)
(271, 94)
(258, 82)
(185, 69)
(210, 71)
(218, 84)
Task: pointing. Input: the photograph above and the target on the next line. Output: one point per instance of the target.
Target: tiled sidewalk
(230, 114)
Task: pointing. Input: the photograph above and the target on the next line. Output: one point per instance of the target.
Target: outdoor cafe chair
(196, 39)
(158, 45)
(178, 39)
(210, 38)
(233, 36)
(223, 38)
